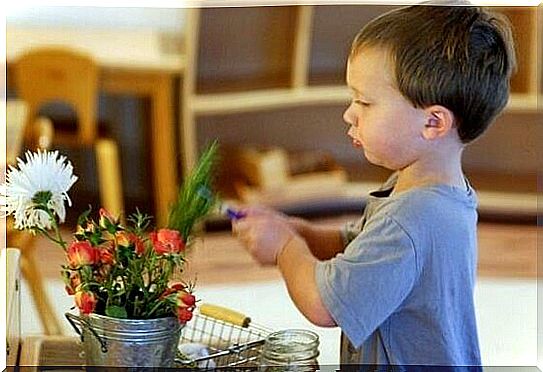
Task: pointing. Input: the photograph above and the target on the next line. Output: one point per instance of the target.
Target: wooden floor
(504, 251)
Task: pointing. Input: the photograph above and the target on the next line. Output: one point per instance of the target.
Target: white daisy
(44, 179)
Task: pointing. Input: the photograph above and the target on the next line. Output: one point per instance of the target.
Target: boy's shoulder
(429, 204)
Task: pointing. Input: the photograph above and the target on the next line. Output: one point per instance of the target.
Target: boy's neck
(440, 168)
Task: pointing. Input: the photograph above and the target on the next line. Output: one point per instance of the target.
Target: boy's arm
(324, 242)
(297, 265)
(271, 240)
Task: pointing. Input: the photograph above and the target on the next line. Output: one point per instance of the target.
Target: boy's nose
(348, 116)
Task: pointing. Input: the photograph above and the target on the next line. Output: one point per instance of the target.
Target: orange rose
(167, 241)
(106, 257)
(126, 239)
(81, 254)
(85, 301)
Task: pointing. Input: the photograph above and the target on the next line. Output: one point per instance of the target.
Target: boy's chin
(377, 162)
(371, 159)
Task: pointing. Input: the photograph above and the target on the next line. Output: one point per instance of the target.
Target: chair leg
(109, 176)
(29, 271)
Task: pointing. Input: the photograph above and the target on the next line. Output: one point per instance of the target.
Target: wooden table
(134, 62)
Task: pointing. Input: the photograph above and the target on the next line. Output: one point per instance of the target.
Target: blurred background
(268, 84)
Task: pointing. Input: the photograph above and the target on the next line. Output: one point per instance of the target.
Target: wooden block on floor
(264, 168)
(297, 189)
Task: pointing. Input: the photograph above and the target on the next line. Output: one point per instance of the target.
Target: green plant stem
(48, 236)
(59, 239)
(155, 308)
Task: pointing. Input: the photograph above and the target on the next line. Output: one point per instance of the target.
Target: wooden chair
(39, 133)
(47, 75)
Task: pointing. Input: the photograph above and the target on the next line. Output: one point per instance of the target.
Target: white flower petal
(40, 172)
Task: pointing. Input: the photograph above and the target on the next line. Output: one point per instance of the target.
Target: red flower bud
(85, 301)
(166, 293)
(167, 241)
(177, 286)
(72, 281)
(102, 273)
(106, 219)
(174, 287)
(184, 315)
(126, 239)
(122, 238)
(185, 299)
(139, 247)
(82, 253)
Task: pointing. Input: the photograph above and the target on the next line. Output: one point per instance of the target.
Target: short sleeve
(350, 231)
(370, 280)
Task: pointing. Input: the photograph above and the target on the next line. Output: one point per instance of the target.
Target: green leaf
(84, 216)
(110, 226)
(116, 312)
(139, 221)
(86, 273)
(95, 239)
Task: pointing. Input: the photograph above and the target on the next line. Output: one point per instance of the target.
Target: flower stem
(155, 308)
(57, 229)
(48, 236)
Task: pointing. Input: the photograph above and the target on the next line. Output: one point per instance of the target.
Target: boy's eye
(359, 102)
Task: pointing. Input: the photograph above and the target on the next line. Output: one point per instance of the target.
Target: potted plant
(131, 310)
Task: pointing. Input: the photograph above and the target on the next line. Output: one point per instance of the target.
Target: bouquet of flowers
(114, 269)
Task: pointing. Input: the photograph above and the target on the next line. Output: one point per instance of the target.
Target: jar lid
(291, 345)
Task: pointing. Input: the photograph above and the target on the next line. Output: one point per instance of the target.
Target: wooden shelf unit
(269, 60)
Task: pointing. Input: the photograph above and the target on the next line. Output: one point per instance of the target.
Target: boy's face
(382, 122)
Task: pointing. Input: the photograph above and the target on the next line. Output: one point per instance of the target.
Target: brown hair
(460, 57)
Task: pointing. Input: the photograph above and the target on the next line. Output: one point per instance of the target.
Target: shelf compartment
(245, 48)
(524, 23)
(295, 128)
(331, 40)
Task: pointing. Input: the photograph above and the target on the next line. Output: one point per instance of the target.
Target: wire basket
(227, 344)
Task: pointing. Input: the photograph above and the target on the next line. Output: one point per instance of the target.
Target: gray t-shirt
(402, 291)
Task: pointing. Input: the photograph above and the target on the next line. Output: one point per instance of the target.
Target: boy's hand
(263, 234)
(296, 223)
(261, 211)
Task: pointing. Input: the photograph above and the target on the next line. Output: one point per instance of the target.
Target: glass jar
(290, 350)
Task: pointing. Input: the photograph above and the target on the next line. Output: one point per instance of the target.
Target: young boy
(425, 81)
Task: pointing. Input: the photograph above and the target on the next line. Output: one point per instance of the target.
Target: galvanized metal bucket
(127, 342)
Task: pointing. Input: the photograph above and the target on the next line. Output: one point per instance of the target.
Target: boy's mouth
(356, 143)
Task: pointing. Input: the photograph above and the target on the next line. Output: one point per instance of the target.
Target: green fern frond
(192, 203)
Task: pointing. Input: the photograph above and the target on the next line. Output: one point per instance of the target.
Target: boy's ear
(439, 122)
